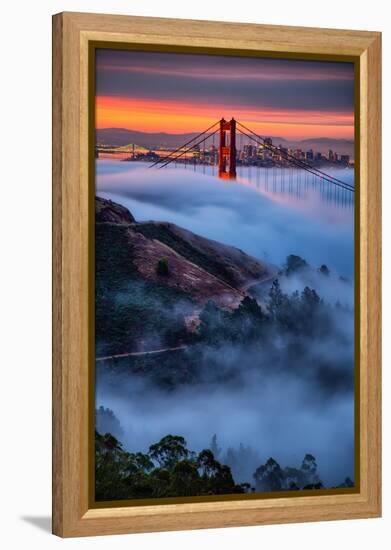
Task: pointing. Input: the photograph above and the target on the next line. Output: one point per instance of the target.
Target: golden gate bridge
(227, 154)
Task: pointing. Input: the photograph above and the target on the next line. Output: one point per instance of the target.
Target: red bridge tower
(227, 151)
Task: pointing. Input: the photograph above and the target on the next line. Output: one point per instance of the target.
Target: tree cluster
(107, 422)
(169, 469)
(272, 477)
(243, 324)
(299, 313)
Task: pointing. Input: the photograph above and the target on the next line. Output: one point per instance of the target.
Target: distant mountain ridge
(122, 136)
(326, 140)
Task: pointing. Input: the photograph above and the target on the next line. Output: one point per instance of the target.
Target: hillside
(137, 307)
(226, 263)
(201, 268)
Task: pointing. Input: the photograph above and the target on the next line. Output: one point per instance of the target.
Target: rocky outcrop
(109, 211)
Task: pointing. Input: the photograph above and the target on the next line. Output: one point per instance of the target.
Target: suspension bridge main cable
(297, 162)
(161, 159)
(189, 149)
(294, 160)
(303, 165)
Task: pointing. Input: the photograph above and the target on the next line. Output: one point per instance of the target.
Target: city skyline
(179, 93)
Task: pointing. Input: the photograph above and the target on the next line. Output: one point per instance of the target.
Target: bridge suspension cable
(186, 148)
(294, 160)
(303, 166)
(163, 159)
(189, 149)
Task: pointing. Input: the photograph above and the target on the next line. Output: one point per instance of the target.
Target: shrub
(162, 266)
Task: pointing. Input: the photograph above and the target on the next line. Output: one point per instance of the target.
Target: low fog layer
(266, 398)
(279, 418)
(278, 404)
(268, 225)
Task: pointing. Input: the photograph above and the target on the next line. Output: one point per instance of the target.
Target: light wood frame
(72, 32)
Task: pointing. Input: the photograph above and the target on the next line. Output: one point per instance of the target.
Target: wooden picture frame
(73, 514)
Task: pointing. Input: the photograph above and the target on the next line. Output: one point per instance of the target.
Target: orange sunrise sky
(182, 93)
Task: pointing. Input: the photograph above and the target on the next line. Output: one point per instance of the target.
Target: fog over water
(253, 213)
(270, 214)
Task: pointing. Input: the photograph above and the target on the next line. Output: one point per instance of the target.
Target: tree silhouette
(216, 450)
(162, 266)
(169, 450)
(294, 263)
(180, 472)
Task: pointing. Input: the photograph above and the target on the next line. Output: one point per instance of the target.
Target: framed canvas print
(216, 234)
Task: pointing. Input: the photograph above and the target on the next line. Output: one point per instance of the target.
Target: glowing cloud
(180, 93)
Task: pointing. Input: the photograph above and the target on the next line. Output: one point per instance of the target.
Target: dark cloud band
(251, 82)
